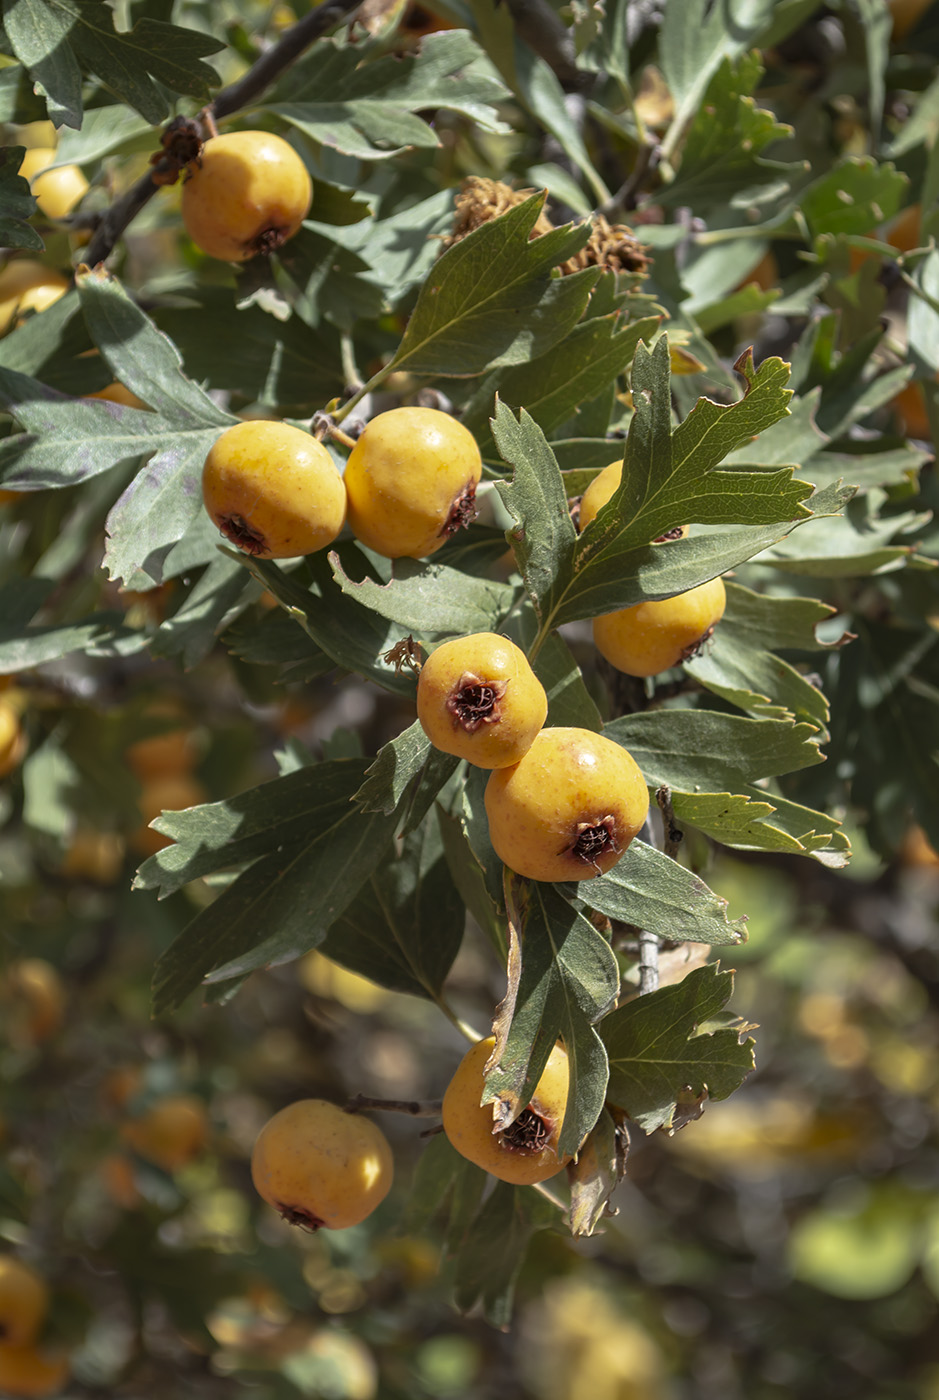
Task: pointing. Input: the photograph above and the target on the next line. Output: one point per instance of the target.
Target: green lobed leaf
(704, 751)
(311, 849)
(396, 766)
(755, 820)
(738, 663)
(404, 929)
(491, 1253)
(648, 889)
(600, 1167)
(215, 600)
(721, 155)
(852, 546)
(553, 386)
(562, 977)
(40, 34)
(854, 197)
(656, 1055)
(490, 299)
(428, 597)
(354, 637)
(341, 95)
(17, 204)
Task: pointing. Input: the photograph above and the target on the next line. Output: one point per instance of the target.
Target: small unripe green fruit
(478, 698)
(568, 809)
(411, 480)
(526, 1151)
(273, 490)
(320, 1166)
(649, 638)
(247, 194)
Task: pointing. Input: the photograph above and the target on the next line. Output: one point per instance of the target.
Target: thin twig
(626, 197)
(413, 1107)
(648, 942)
(673, 833)
(231, 99)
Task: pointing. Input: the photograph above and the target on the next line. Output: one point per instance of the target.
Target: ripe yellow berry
(58, 191)
(26, 285)
(478, 698)
(248, 194)
(526, 1151)
(35, 995)
(273, 490)
(28, 1372)
(94, 855)
(652, 637)
(568, 809)
(13, 741)
(411, 480)
(602, 489)
(24, 1299)
(320, 1166)
(170, 1133)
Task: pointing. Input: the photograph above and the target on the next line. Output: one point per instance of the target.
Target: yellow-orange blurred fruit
(30, 134)
(478, 698)
(35, 997)
(910, 407)
(917, 851)
(121, 1085)
(24, 1300)
(13, 741)
(420, 19)
(248, 194)
(411, 480)
(8, 497)
(905, 14)
(26, 1371)
(273, 490)
(649, 638)
(601, 490)
(526, 1151)
(115, 392)
(94, 855)
(171, 1133)
(118, 1178)
(26, 285)
(320, 1166)
(57, 191)
(568, 809)
(170, 794)
(162, 755)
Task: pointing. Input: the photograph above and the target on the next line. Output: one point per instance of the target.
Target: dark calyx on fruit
(269, 240)
(529, 1133)
(296, 1215)
(594, 839)
(475, 702)
(693, 648)
(463, 511)
(237, 529)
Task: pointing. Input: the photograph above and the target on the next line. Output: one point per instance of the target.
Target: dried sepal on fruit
(525, 1151)
(478, 698)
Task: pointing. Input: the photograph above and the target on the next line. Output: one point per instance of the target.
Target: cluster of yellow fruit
(26, 1367)
(409, 483)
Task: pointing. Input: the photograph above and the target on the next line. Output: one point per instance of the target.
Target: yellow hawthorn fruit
(24, 1300)
(320, 1166)
(13, 741)
(170, 1133)
(601, 490)
(166, 794)
(411, 480)
(94, 855)
(57, 191)
(651, 637)
(26, 285)
(35, 995)
(119, 1180)
(478, 698)
(28, 1372)
(906, 14)
(273, 490)
(524, 1152)
(8, 497)
(247, 194)
(162, 755)
(568, 809)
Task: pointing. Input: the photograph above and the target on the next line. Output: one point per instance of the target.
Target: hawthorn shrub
(660, 235)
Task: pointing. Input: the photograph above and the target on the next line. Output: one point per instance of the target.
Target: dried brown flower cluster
(614, 247)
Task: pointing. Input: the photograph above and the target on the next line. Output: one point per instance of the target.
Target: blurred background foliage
(787, 1243)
